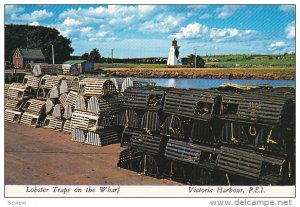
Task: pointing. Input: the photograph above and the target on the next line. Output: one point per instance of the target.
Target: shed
(22, 57)
(75, 67)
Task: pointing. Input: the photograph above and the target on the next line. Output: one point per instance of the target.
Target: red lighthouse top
(174, 42)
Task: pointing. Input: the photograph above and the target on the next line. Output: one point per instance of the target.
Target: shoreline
(193, 74)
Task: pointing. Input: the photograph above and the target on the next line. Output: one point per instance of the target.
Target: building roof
(32, 54)
(74, 62)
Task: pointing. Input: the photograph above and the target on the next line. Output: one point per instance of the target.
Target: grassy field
(251, 60)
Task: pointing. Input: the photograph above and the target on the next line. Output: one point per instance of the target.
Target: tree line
(37, 37)
(95, 57)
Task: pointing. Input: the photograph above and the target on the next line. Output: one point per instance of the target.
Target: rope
(252, 131)
(170, 127)
(233, 139)
(227, 179)
(147, 120)
(126, 119)
(270, 140)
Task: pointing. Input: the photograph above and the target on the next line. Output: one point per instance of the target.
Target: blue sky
(147, 30)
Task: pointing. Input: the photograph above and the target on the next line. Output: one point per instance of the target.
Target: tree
(190, 61)
(37, 37)
(85, 56)
(95, 56)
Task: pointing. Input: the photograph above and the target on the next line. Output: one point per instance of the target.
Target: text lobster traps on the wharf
(228, 135)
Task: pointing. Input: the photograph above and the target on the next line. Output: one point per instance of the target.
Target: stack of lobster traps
(258, 132)
(122, 84)
(212, 136)
(17, 95)
(191, 149)
(142, 118)
(95, 112)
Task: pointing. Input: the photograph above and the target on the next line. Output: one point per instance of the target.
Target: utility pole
(52, 55)
(112, 56)
(195, 57)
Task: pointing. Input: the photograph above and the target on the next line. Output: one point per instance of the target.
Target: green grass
(247, 60)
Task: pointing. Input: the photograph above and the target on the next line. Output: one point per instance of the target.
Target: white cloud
(287, 8)
(11, 9)
(102, 34)
(203, 32)
(65, 33)
(277, 45)
(205, 16)
(34, 24)
(69, 22)
(144, 9)
(191, 31)
(290, 30)
(163, 23)
(34, 16)
(229, 34)
(86, 29)
(226, 11)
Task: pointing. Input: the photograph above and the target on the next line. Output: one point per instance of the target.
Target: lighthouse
(174, 58)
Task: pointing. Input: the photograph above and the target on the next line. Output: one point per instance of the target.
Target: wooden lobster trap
(70, 99)
(143, 99)
(11, 115)
(248, 163)
(130, 119)
(35, 106)
(96, 87)
(88, 121)
(150, 122)
(118, 83)
(32, 81)
(20, 92)
(256, 109)
(81, 103)
(48, 81)
(190, 162)
(99, 105)
(256, 120)
(14, 104)
(78, 135)
(31, 120)
(35, 112)
(192, 104)
(102, 137)
(68, 127)
(52, 122)
(73, 82)
(173, 127)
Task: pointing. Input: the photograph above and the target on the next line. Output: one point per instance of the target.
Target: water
(209, 83)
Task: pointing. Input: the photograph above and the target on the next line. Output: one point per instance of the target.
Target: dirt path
(43, 156)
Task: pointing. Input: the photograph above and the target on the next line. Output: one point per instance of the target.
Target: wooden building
(75, 67)
(22, 57)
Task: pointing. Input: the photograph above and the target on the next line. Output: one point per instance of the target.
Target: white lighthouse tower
(174, 58)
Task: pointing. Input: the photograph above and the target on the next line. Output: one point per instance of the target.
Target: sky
(147, 30)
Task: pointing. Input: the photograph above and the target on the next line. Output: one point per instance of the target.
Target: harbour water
(209, 83)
